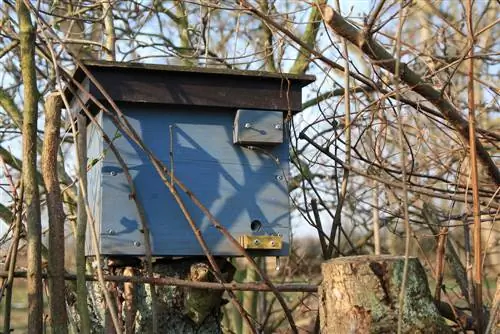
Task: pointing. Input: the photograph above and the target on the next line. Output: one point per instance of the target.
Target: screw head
(279, 177)
(113, 173)
(137, 244)
(248, 125)
(273, 243)
(256, 242)
(111, 231)
(278, 126)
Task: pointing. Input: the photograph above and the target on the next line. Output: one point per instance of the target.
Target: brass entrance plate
(261, 241)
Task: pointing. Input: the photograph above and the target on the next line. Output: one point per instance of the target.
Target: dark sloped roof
(179, 85)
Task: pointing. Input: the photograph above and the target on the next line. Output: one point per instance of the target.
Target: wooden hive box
(227, 133)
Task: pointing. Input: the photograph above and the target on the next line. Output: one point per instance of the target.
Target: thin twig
(395, 184)
(319, 228)
(13, 257)
(456, 266)
(408, 232)
(376, 218)
(173, 281)
(373, 17)
(478, 285)
(440, 255)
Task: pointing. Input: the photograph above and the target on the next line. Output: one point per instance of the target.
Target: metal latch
(258, 127)
(261, 241)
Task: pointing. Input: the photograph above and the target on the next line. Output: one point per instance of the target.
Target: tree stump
(183, 310)
(180, 309)
(360, 295)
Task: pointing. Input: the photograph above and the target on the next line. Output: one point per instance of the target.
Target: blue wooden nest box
(225, 134)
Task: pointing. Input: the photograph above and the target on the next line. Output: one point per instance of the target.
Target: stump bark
(180, 310)
(360, 295)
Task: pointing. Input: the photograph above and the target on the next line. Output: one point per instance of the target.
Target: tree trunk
(360, 295)
(81, 228)
(180, 310)
(57, 306)
(29, 172)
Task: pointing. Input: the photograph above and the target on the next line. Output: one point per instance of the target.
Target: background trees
(386, 159)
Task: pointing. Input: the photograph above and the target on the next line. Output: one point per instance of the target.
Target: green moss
(378, 309)
(419, 310)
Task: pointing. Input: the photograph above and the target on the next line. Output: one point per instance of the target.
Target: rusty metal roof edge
(302, 79)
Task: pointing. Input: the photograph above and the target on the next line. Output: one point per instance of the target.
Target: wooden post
(360, 295)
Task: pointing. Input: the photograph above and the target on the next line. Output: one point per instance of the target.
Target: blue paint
(236, 184)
